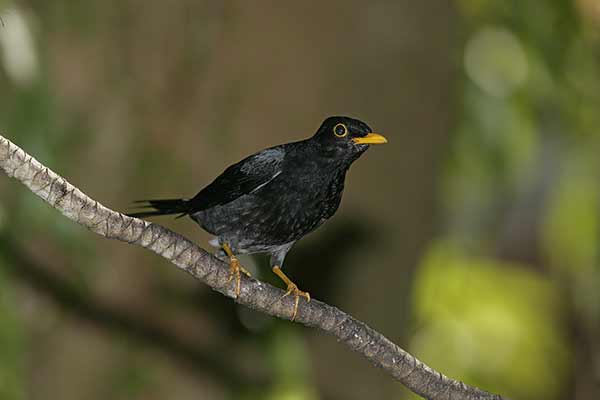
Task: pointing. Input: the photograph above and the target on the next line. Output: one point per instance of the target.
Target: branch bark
(184, 254)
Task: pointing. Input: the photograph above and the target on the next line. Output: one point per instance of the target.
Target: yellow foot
(235, 269)
(291, 289)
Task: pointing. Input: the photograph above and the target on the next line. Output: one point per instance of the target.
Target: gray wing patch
(266, 159)
(239, 179)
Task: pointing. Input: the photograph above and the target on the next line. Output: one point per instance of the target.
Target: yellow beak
(371, 138)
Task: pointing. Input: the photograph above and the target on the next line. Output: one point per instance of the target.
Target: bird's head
(346, 138)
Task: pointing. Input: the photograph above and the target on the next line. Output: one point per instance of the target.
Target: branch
(184, 254)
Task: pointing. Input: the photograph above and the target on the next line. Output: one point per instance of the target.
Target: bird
(269, 200)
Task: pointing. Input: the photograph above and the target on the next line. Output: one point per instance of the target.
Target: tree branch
(75, 205)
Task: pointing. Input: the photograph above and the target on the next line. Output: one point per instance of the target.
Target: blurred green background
(471, 239)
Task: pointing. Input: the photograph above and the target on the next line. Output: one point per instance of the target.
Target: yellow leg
(234, 268)
(291, 289)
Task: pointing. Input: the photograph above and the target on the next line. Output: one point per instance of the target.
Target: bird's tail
(161, 207)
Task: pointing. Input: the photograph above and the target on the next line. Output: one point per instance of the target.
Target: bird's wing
(242, 178)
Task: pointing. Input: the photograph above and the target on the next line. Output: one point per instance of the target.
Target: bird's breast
(298, 206)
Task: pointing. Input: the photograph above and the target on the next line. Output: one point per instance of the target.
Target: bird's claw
(235, 271)
(293, 289)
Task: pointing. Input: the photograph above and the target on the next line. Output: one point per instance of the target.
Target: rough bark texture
(75, 205)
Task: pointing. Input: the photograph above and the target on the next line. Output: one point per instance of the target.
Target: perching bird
(269, 200)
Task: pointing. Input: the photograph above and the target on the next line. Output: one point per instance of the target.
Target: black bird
(269, 200)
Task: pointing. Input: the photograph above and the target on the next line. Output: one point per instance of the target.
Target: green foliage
(571, 232)
(495, 325)
(289, 361)
(524, 161)
(12, 375)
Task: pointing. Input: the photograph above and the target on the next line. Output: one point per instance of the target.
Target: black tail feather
(161, 207)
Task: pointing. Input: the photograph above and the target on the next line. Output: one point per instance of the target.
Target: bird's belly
(253, 221)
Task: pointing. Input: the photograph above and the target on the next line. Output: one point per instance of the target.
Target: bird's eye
(340, 130)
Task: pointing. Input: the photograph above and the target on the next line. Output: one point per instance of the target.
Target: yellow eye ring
(340, 130)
